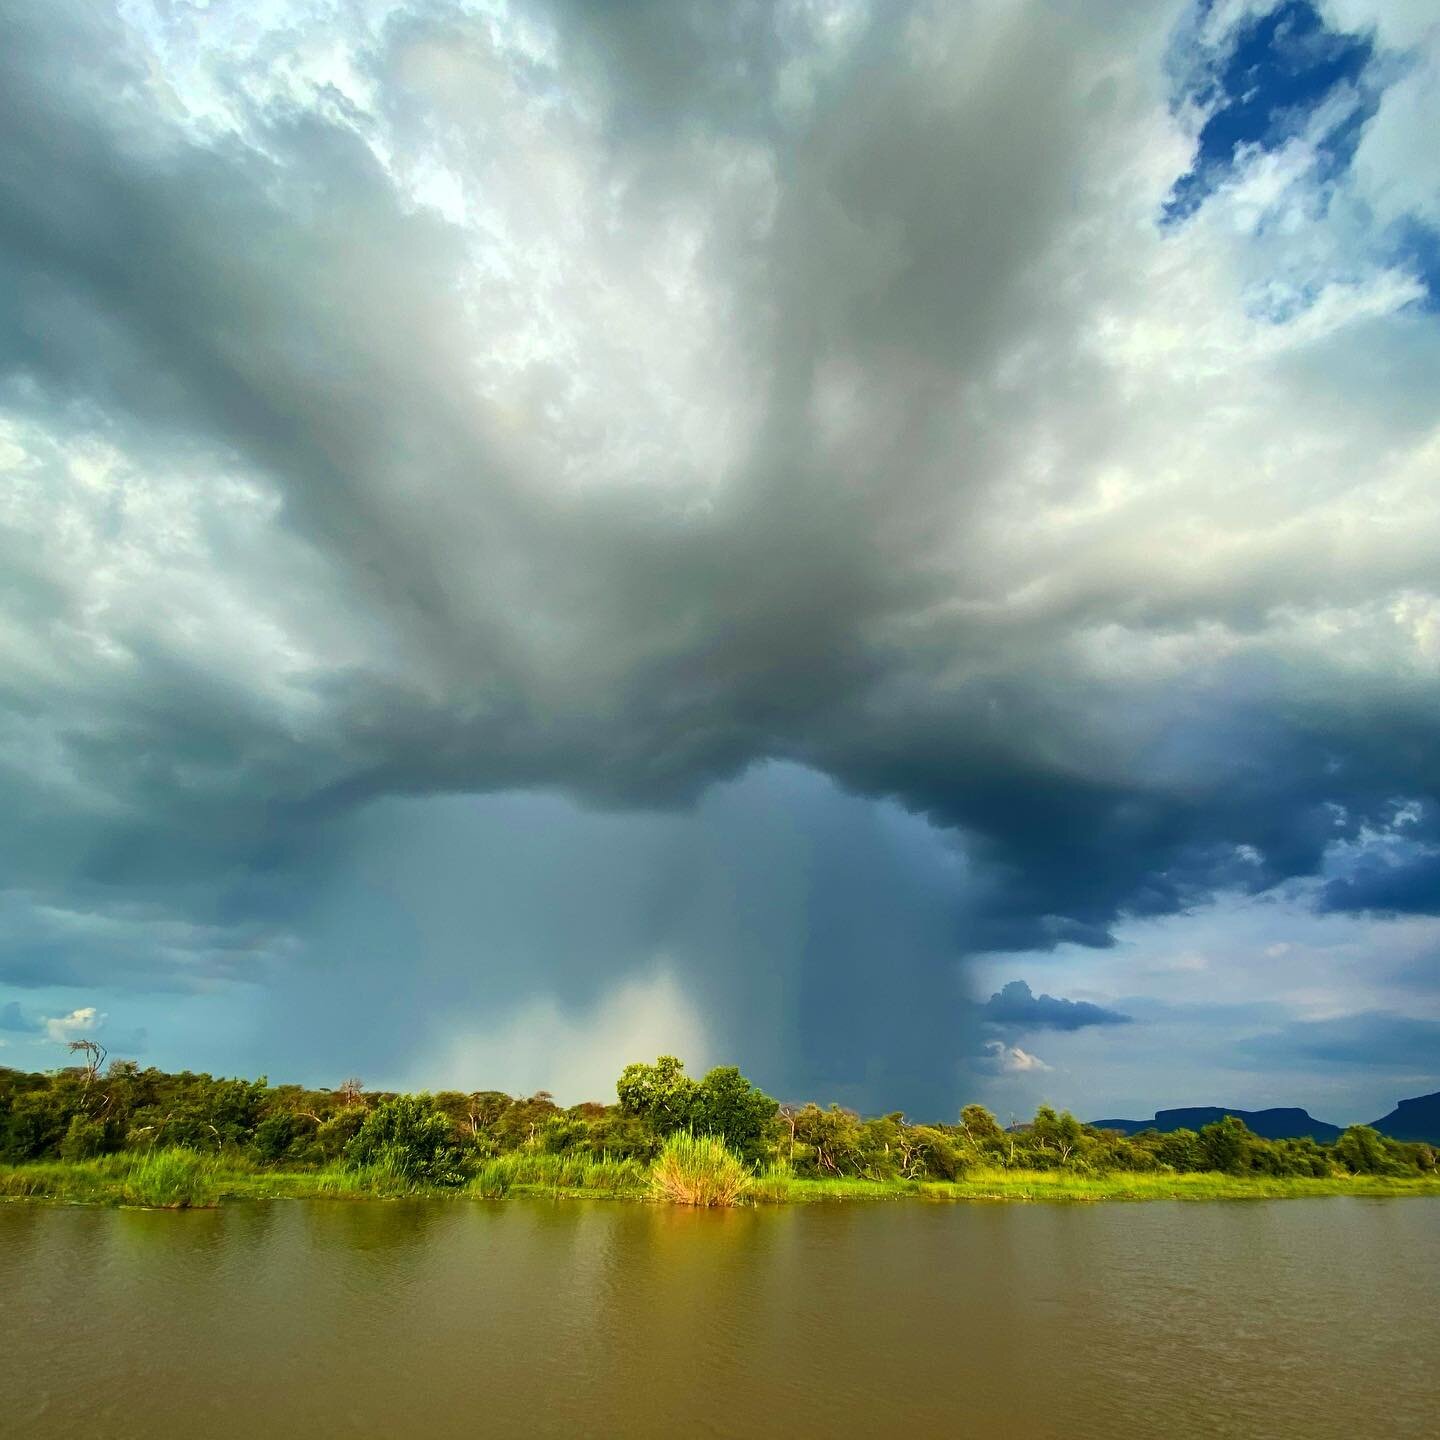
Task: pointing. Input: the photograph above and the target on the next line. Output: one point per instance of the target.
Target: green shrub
(85, 1138)
(409, 1139)
(276, 1134)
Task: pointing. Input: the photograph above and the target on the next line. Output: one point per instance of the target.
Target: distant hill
(1417, 1119)
(1278, 1124)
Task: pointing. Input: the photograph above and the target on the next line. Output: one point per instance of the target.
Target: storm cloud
(1015, 1006)
(618, 404)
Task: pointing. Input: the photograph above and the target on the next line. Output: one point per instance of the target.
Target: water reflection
(574, 1318)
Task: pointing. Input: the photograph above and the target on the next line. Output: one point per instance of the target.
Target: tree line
(93, 1109)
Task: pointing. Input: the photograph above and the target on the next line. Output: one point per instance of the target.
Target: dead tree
(94, 1053)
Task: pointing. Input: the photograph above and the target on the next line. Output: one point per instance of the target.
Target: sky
(896, 545)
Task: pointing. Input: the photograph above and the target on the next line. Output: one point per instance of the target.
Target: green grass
(186, 1178)
(1002, 1184)
(698, 1170)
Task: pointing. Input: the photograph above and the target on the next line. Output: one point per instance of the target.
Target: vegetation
(143, 1137)
(698, 1170)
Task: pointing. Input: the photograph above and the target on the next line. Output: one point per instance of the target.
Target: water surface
(435, 1319)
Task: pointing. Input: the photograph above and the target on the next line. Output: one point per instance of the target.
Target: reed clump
(171, 1179)
(698, 1170)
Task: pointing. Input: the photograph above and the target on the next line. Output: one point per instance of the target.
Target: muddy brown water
(527, 1317)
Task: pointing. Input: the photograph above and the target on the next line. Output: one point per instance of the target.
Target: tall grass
(170, 1179)
(173, 1179)
(387, 1178)
(691, 1171)
(698, 1170)
(530, 1170)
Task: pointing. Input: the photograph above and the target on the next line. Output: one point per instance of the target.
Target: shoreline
(88, 1183)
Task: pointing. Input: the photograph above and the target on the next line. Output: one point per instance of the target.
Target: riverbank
(185, 1179)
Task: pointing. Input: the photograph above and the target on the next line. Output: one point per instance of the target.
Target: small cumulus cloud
(75, 1026)
(1006, 1059)
(1016, 1007)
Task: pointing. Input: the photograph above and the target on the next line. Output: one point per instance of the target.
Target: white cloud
(79, 1024)
(1012, 1060)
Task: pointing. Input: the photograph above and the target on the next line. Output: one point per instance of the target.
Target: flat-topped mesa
(1415, 1119)
(1281, 1123)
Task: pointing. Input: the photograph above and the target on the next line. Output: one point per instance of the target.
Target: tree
(1179, 1149)
(1361, 1150)
(662, 1093)
(828, 1141)
(1223, 1145)
(39, 1120)
(94, 1053)
(981, 1130)
(726, 1104)
(935, 1151)
(980, 1124)
(1061, 1133)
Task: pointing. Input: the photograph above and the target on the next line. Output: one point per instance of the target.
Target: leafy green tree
(1180, 1149)
(1060, 1138)
(662, 1093)
(1362, 1151)
(726, 1104)
(1224, 1145)
(980, 1125)
(828, 1142)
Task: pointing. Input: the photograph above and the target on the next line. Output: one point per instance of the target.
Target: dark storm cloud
(1401, 1043)
(1411, 887)
(737, 392)
(1016, 1007)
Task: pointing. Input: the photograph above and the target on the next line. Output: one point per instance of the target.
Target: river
(526, 1317)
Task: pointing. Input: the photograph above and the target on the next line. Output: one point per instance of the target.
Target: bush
(698, 1170)
(275, 1135)
(410, 1139)
(85, 1138)
(338, 1131)
(1362, 1151)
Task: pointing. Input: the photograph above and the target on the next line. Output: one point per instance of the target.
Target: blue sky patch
(1283, 65)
